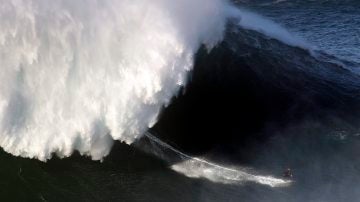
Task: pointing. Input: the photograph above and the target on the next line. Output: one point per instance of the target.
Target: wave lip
(252, 21)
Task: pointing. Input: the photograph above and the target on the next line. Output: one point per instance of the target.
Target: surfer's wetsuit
(288, 173)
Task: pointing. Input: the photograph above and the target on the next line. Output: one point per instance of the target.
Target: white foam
(198, 168)
(253, 21)
(195, 167)
(80, 74)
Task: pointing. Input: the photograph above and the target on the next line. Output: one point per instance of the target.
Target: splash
(253, 21)
(195, 167)
(80, 74)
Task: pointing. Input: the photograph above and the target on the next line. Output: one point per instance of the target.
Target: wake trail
(195, 167)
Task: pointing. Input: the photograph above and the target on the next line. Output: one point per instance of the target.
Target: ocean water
(189, 100)
(332, 26)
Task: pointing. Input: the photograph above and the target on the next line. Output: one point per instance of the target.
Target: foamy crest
(76, 75)
(252, 21)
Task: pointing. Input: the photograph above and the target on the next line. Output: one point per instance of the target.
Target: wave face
(251, 86)
(259, 101)
(76, 75)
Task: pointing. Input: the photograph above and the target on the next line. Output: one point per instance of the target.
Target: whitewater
(77, 75)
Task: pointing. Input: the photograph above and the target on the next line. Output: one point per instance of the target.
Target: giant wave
(78, 75)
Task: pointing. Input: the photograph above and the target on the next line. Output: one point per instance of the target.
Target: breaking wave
(77, 75)
(80, 74)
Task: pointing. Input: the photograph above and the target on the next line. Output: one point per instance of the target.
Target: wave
(251, 87)
(252, 21)
(79, 75)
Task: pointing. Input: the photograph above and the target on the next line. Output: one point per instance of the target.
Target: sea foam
(76, 75)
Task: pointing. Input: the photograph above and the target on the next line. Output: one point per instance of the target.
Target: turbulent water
(76, 75)
(212, 99)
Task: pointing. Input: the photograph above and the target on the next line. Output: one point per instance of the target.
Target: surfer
(288, 173)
